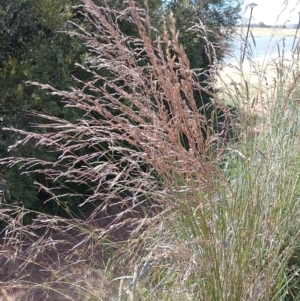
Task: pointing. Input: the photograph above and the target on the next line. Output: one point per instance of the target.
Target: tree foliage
(133, 114)
(34, 47)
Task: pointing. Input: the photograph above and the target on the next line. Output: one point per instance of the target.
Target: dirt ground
(64, 262)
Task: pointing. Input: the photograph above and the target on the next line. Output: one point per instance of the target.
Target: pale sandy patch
(254, 83)
(255, 69)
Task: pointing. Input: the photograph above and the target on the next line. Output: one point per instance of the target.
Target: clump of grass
(126, 148)
(205, 220)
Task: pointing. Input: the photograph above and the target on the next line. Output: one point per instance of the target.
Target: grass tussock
(168, 209)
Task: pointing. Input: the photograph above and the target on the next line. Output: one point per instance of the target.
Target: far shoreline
(259, 31)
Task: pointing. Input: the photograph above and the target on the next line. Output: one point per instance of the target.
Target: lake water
(261, 46)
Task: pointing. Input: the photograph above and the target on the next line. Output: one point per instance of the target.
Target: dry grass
(139, 103)
(211, 221)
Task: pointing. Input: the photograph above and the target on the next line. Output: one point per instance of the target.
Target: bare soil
(64, 263)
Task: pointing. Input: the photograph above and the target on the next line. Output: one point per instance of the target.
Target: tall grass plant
(213, 219)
